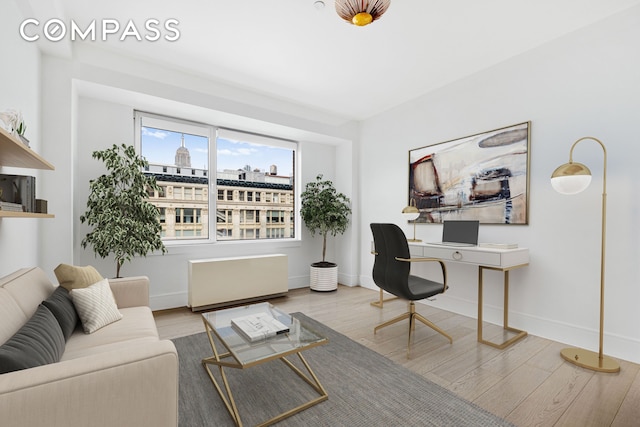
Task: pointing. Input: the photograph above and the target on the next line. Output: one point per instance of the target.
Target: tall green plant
(324, 210)
(124, 222)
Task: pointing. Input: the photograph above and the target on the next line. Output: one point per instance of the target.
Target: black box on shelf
(41, 206)
(19, 189)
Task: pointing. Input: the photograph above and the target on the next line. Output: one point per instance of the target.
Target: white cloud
(154, 134)
(238, 152)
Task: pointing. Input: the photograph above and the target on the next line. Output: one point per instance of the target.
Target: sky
(159, 146)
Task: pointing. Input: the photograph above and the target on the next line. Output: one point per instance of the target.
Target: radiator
(217, 282)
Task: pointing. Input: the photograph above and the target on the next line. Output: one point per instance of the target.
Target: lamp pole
(577, 356)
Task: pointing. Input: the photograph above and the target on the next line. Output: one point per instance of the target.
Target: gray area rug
(365, 389)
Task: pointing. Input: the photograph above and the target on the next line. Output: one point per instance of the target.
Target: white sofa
(120, 375)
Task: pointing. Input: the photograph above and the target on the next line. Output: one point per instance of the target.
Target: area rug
(365, 389)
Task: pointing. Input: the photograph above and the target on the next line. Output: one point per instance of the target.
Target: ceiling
(290, 50)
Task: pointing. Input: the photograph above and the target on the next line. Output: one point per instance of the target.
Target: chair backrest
(388, 273)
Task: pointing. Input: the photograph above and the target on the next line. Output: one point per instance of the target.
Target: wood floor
(527, 384)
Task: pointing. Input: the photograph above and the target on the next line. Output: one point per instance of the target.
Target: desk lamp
(573, 178)
(411, 213)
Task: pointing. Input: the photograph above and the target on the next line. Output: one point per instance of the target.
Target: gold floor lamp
(572, 178)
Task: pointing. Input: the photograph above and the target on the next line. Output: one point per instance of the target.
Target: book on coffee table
(259, 326)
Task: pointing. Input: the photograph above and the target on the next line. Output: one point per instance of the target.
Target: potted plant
(324, 211)
(124, 222)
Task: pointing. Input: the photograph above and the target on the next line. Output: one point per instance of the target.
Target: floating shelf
(14, 153)
(10, 214)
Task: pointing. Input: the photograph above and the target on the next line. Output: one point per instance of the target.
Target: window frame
(213, 133)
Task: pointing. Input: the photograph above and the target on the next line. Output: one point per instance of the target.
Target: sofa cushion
(96, 306)
(62, 307)
(137, 325)
(39, 342)
(73, 277)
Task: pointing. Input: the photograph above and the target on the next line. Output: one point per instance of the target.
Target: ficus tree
(324, 210)
(123, 222)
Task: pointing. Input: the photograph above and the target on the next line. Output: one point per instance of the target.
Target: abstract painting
(481, 177)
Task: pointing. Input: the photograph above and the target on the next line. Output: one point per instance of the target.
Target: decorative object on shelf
(14, 124)
(124, 222)
(361, 12)
(479, 177)
(573, 178)
(324, 211)
(19, 190)
(41, 206)
(411, 213)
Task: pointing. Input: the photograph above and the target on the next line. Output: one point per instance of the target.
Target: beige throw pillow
(72, 277)
(96, 306)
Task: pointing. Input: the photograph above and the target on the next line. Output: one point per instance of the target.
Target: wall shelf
(15, 153)
(10, 214)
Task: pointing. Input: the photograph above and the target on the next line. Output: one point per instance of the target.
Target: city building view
(249, 204)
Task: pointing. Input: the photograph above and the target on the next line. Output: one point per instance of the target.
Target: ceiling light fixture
(361, 12)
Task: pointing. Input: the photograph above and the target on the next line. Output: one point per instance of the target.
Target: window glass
(250, 170)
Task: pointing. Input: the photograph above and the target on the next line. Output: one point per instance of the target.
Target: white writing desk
(503, 260)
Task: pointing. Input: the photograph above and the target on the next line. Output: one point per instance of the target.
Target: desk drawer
(462, 255)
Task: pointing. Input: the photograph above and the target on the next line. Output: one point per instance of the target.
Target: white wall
(585, 84)
(20, 90)
(101, 124)
(90, 107)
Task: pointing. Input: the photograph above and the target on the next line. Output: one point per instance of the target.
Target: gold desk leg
(519, 333)
(227, 396)
(381, 301)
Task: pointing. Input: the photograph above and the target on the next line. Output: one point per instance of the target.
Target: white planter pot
(324, 278)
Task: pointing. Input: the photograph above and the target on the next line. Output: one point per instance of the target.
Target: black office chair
(391, 272)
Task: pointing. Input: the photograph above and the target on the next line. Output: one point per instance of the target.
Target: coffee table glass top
(248, 353)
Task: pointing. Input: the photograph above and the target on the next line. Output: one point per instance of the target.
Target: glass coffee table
(240, 353)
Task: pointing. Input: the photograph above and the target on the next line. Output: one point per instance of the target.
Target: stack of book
(259, 326)
(11, 207)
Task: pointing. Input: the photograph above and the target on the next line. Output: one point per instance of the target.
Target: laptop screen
(461, 232)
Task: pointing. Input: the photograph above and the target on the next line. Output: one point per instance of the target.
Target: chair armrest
(130, 291)
(439, 261)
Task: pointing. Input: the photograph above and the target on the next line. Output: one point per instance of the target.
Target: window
(249, 171)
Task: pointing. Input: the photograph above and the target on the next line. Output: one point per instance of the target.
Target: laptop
(459, 233)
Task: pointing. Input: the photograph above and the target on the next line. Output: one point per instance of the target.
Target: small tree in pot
(124, 222)
(324, 211)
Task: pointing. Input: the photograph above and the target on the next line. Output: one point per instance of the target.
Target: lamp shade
(410, 216)
(571, 178)
(411, 212)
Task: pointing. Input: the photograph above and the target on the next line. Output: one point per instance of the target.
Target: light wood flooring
(527, 384)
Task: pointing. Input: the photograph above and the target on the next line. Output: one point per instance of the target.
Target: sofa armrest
(136, 387)
(130, 291)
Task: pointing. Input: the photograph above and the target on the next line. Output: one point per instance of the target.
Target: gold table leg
(519, 333)
(227, 397)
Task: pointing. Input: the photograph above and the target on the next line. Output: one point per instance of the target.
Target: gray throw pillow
(61, 305)
(40, 341)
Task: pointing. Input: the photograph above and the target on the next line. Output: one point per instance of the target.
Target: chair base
(413, 316)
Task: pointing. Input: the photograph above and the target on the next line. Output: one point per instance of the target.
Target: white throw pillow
(96, 306)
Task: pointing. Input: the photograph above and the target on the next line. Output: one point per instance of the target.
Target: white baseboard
(167, 301)
(616, 346)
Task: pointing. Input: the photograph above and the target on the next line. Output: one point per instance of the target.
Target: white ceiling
(290, 50)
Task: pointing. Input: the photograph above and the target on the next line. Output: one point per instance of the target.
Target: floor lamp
(572, 178)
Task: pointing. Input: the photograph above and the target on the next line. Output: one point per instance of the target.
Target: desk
(503, 260)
